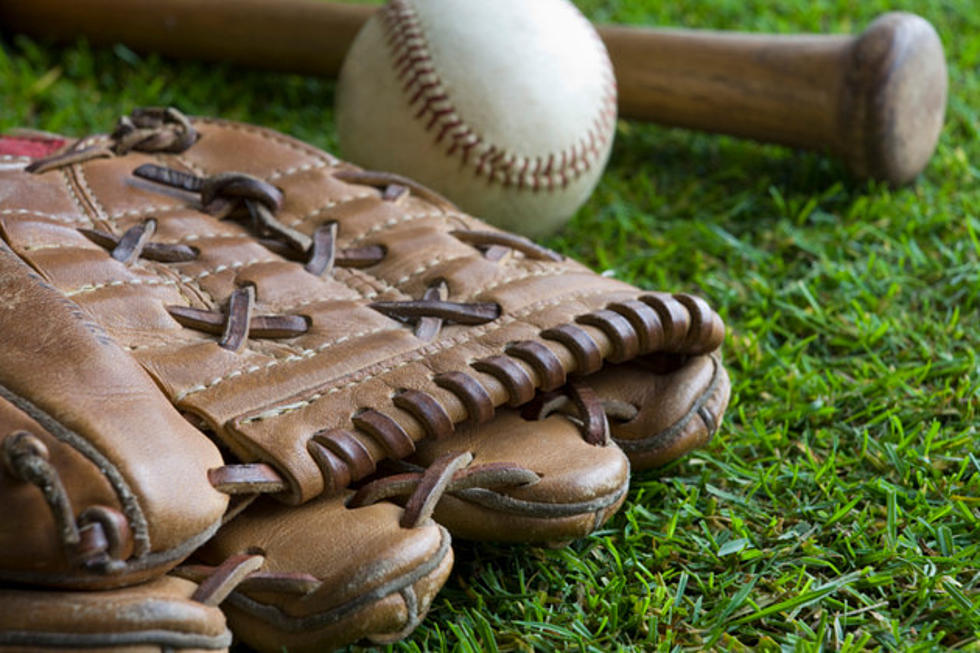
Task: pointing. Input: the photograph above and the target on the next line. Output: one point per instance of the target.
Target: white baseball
(507, 107)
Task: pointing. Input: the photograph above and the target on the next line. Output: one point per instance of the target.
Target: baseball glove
(199, 312)
(221, 283)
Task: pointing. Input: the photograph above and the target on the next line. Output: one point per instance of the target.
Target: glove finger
(80, 425)
(332, 575)
(529, 480)
(161, 614)
(662, 407)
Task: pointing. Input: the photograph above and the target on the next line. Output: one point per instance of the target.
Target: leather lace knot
(135, 243)
(227, 194)
(144, 130)
(153, 129)
(238, 195)
(430, 312)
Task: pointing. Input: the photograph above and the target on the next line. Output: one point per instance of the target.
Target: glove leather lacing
(653, 322)
(144, 130)
(100, 539)
(221, 196)
(449, 473)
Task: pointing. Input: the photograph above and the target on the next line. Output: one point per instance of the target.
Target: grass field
(839, 507)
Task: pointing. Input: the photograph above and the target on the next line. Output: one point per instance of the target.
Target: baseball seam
(426, 92)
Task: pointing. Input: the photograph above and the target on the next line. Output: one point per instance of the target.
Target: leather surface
(154, 616)
(129, 403)
(368, 577)
(680, 403)
(580, 484)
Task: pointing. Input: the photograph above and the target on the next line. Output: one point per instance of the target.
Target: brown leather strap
(153, 129)
(427, 411)
(618, 329)
(479, 405)
(238, 323)
(26, 458)
(145, 130)
(322, 250)
(349, 449)
(427, 327)
(644, 321)
(225, 578)
(431, 487)
(386, 179)
(388, 432)
(161, 252)
(252, 478)
(520, 387)
(545, 362)
(458, 312)
(420, 481)
(588, 357)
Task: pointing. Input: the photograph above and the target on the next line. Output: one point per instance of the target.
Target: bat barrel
(894, 99)
(876, 100)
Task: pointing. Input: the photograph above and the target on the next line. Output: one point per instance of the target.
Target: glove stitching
(236, 265)
(300, 355)
(305, 167)
(533, 273)
(79, 174)
(428, 265)
(75, 198)
(296, 146)
(151, 211)
(379, 286)
(408, 217)
(334, 203)
(424, 353)
(236, 373)
(83, 218)
(549, 271)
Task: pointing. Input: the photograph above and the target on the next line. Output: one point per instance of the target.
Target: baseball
(506, 107)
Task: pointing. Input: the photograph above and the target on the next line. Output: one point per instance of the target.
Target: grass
(839, 508)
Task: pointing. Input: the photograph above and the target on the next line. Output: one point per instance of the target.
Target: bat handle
(876, 100)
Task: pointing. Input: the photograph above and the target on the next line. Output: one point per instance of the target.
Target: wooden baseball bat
(877, 100)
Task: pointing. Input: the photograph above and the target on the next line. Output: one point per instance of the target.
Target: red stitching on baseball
(413, 65)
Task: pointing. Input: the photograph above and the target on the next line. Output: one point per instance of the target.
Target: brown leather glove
(196, 309)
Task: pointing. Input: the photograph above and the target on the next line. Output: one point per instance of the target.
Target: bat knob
(894, 98)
